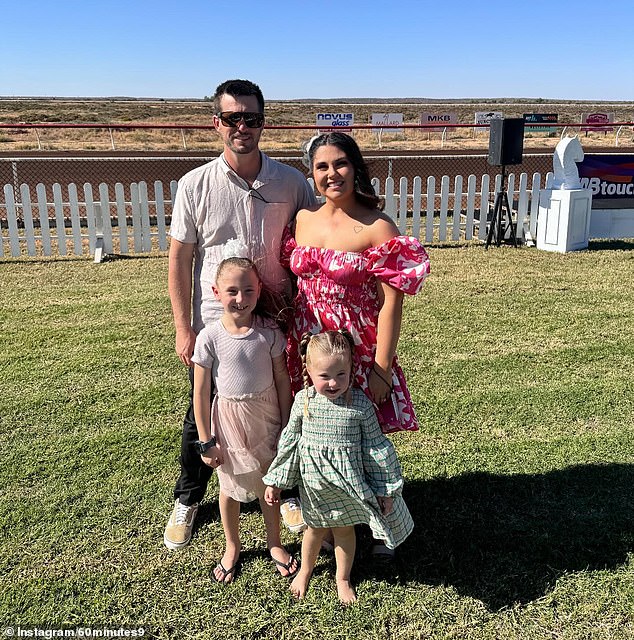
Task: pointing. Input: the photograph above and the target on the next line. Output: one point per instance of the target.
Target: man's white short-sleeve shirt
(213, 204)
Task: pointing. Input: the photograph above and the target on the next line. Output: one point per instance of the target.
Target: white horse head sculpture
(567, 153)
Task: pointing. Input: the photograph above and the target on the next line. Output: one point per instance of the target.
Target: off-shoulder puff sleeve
(287, 246)
(401, 262)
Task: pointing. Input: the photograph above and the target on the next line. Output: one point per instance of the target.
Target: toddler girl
(346, 469)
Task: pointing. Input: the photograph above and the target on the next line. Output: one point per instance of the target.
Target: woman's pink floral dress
(338, 290)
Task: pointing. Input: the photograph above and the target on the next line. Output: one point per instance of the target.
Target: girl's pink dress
(338, 290)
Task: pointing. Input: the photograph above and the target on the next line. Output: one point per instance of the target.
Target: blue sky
(319, 49)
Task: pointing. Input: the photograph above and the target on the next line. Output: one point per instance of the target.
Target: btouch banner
(610, 178)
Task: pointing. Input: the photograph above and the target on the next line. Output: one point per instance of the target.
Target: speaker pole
(501, 210)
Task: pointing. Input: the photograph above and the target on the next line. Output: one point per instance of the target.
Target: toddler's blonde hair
(327, 343)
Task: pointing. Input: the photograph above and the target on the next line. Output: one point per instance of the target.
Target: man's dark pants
(195, 474)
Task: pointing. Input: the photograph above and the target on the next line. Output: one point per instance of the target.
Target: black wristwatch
(201, 446)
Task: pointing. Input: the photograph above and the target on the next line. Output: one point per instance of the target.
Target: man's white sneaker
(178, 531)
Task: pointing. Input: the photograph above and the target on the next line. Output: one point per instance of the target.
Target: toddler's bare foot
(345, 592)
(299, 585)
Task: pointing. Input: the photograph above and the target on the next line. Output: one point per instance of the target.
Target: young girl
(346, 469)
(244, 354)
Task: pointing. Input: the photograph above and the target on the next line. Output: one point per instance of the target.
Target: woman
(353, 268)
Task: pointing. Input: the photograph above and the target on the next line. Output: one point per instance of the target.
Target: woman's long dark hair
(363, 189)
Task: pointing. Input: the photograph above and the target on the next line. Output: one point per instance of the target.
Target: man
(243, 194)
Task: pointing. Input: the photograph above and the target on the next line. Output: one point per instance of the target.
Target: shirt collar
(268, 171)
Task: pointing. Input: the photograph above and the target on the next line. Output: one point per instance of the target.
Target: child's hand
(212, 457)
(386, 504)
(272, 495)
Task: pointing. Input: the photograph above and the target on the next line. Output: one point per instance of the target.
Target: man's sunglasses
(233, 118)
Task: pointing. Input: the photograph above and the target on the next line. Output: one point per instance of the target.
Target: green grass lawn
(521, 479)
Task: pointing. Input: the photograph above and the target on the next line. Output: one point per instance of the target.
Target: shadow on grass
(611, 245)
(506, 539)
(113, 257)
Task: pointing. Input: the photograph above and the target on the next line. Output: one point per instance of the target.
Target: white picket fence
(93, 225)
(97, 224)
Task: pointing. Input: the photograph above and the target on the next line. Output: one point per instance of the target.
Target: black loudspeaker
(506, 141)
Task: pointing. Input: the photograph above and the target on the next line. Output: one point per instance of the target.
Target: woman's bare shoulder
(302, 213)
(307, 215)
(383, 228)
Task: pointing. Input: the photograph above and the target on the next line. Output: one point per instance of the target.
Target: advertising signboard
(331, 121)
(597, 118)
(484, 117)
(440, 119)
(534, 118)
(384, 120)
(610, 178)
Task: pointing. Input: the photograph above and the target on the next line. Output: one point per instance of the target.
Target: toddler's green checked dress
(340, 460)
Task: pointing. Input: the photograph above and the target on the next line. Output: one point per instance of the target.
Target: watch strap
(201, 446)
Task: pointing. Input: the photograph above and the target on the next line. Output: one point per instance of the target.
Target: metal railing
(186, 131)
